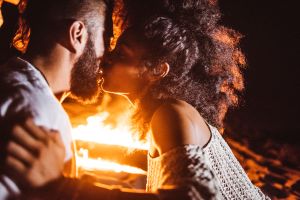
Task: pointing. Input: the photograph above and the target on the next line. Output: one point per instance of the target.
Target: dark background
(272, 46)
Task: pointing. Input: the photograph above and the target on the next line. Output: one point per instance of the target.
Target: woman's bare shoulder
(174, 124)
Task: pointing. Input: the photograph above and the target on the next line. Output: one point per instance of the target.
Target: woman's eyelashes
(121, 55)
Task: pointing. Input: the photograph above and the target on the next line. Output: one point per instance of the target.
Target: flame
(1, 17)
(99, 164)
(97, 131)
(15, 2)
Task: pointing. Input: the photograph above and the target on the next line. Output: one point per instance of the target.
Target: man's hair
(48, 19)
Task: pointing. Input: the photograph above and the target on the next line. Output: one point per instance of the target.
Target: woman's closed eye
(122, 56)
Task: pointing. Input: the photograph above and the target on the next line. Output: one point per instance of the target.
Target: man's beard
(85, 75)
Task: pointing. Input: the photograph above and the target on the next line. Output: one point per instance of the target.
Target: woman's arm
(179, 143)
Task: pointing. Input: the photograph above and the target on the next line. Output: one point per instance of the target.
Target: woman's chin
(111, 90)
(114, 91)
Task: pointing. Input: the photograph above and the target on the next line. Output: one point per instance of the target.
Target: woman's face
(123, 68)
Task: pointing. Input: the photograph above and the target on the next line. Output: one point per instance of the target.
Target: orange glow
(84, 162)
(1, 17)
(15, 2)
(21, 39)
(118, 22)
(96, 131)
(227, 36)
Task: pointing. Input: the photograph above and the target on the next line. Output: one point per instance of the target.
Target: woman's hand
(35, 155)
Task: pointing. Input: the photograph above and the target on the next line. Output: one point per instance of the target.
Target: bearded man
(64, 53)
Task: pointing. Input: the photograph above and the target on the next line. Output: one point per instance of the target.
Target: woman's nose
(107, 62)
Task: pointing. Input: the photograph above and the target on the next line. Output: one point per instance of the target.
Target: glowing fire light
(99, 132)
(102, 165)
(96, 131)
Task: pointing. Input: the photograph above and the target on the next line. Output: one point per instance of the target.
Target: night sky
(272, 46)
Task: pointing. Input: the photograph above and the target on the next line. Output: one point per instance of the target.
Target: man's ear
(161, 70)
(77, 37)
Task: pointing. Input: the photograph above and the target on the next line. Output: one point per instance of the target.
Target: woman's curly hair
(204, 57)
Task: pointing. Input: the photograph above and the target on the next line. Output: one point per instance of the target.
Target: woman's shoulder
(176, 123)
(175, 108)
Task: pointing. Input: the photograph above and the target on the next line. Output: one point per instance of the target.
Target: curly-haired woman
(182, 70)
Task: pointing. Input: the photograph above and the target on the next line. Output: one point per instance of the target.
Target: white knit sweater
(187, 165)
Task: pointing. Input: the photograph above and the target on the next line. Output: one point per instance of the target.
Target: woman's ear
(161, 70)
(77, 37)
(165, 69)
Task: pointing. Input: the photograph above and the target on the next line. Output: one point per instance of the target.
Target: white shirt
(25, 92)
